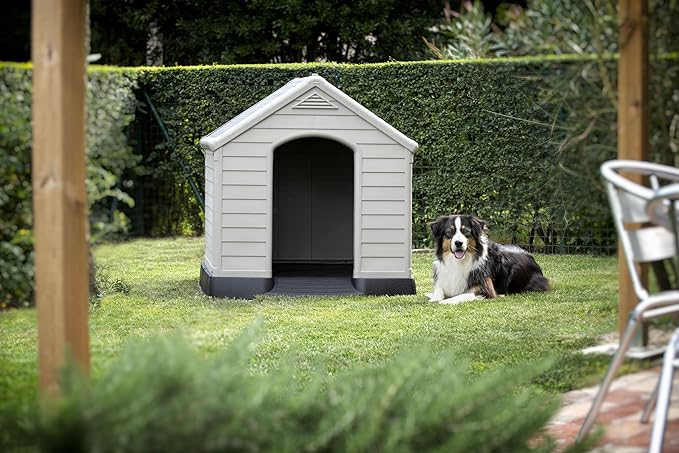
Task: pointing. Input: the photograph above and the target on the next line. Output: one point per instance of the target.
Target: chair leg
(626, 340)
(664, 394)
(650, 404)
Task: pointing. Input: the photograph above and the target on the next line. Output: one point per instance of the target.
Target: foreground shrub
(160, 395)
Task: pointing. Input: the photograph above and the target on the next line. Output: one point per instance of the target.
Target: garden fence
(166, 201)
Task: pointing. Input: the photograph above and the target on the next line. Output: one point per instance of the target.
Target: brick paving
(620, 415)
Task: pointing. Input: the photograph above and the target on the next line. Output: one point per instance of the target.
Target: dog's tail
(538, 282)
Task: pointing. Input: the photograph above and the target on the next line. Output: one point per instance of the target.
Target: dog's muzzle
(457, 250)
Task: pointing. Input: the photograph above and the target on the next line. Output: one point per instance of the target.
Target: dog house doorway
(313, 217)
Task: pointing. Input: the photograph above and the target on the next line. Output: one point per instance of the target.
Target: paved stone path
(620, 415)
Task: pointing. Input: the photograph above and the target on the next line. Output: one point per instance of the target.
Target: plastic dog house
(307, 192)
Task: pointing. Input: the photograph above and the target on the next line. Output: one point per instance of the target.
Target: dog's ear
(481, 224)
(437, 227)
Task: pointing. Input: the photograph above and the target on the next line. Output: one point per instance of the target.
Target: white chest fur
(452, 275)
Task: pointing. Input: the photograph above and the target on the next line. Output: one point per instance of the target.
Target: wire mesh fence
(165, 205)
(164, 202)
(589, 241)
(540, 230)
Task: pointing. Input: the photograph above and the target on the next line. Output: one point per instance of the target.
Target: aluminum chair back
(642, 241)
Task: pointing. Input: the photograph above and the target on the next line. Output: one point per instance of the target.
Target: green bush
(159, 395)
(518, 141)
(111, 106)
(495, 136)
(16, 237)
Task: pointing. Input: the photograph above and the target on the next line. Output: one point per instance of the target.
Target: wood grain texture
(59, 196)
(632, 113)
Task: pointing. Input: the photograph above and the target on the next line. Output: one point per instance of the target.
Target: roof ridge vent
(315, 101)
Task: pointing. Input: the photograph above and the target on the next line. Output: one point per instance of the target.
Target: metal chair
(662, 210)
(664, 393)
(642, 242)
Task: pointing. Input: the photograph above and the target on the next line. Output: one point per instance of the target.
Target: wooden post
(632, 113)
(59, 196)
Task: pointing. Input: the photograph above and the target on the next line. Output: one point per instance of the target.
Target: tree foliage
(542, 28)
(563, 27)
(262, 31)
(585, 101)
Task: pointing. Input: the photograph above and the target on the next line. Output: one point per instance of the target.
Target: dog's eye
(465, 229)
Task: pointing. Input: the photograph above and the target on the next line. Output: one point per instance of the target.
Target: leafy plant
(16, 238)
(111, 106)
(553, 28)
(103, 282)
(467, 34)
(160, 395)
(580, 101)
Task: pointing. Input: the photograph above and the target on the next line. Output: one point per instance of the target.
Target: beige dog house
(307, 192)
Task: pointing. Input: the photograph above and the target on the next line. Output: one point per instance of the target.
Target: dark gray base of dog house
(384, 286)
(297, 285)
(238, 287)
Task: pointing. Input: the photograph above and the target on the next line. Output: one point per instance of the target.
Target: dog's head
(459, 235)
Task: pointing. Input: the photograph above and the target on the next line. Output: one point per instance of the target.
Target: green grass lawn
(153, 289)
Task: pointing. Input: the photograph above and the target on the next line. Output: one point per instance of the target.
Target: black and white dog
(470, 266)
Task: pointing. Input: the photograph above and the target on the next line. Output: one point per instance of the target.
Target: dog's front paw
(450, 301)
(436, 296)
(460, 298)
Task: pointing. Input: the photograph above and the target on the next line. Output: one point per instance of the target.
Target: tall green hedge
(517, 141)
(491, 132)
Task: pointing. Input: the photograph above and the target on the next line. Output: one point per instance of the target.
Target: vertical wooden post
(632, 113)
(59, 196)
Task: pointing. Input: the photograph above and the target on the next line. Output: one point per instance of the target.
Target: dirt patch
(657, 337)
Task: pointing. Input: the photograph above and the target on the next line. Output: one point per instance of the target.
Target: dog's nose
(458, 244)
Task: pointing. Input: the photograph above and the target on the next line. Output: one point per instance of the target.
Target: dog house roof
(286, 94)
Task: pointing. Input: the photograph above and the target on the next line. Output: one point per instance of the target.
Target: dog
(470, 266)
